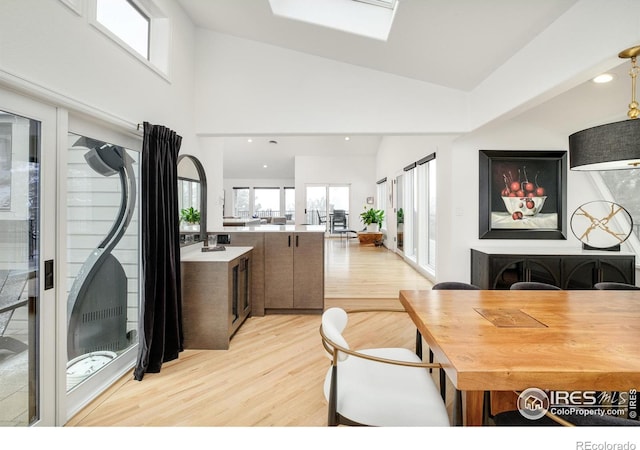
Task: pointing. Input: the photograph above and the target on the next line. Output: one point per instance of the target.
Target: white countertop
(546, 251)
(240, 222)
(194, 253)
(273, 228)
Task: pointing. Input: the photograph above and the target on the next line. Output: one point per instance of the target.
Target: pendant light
(612, 146)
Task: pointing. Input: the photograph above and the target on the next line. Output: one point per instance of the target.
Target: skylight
(384, 3)
(362, 17)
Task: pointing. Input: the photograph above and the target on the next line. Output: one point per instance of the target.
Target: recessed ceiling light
(249, 140)
(604, 78)
(347, 138)
(264, 166)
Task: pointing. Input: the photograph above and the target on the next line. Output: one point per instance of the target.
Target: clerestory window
(124, 19)
(140, 27)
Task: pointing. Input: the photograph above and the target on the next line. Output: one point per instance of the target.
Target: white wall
(458, 214)
(52, 50)
(356, 171)
(223, 85)
(210, 155)
(582, 43)
(246, 87)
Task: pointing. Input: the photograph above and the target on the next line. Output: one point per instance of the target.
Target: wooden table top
(512, 340)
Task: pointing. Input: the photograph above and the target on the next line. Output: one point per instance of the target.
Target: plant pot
(190, 226)
(372, 227)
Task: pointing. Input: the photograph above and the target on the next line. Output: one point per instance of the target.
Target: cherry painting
(522, 190)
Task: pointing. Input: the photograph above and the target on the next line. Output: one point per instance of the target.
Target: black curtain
(161, 337)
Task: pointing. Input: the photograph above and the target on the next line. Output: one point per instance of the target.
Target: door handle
(48, 274)
(289, 241)
(297, 240)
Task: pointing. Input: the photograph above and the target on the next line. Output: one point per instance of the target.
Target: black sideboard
(581, 269)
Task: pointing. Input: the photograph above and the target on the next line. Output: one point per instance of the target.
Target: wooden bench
(369, 237)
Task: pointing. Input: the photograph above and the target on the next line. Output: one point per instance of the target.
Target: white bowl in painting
(528, 206)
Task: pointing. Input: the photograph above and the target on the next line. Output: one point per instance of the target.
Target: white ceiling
(452, 43)
(243, 159)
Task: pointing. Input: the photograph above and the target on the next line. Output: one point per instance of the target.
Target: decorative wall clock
(601, 225)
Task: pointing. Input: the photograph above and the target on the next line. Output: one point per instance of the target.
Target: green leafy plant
(190, 215)
(371, 215)
(400, 215)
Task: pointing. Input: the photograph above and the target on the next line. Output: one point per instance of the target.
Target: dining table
(505, 342)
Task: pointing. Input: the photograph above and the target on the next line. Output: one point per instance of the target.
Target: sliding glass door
(27, 266)
(416, 214)
(322, 200)
(102, 271)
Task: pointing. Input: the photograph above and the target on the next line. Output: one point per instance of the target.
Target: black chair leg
(457, 409)
(332, 414)
(443, 378)
(430, 359)
(486, 412)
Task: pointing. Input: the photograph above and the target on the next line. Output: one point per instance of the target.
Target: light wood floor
(272, 375)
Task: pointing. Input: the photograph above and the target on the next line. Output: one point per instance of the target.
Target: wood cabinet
(294, 271)
(288, 266)
(499, 269)
(216, 289)
(255, 241)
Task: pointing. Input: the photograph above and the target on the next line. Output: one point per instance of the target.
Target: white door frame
(48, 358)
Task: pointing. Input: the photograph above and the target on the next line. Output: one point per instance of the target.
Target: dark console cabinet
(498, 269)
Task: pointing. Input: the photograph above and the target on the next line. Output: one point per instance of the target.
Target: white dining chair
(377, 386)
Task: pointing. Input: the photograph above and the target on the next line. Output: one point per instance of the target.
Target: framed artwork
(523, 194)
(5, 166)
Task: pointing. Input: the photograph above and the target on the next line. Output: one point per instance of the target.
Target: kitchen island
(216, 289)
(288, 266)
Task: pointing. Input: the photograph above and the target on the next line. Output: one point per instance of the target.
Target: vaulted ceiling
(451, 43)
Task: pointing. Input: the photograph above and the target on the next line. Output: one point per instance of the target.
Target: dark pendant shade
(612, 146)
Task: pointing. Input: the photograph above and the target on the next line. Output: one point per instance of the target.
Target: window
(410, 218)
(381, 192)
(338, 198)
(266, 202)
(391, 4)
(427, 212)
(323, 200)
(416, 214)
(138, 26)
(102, 219)
(241, 202)
(399, 182)
(621, 186)
(124, 19)
(289, 202)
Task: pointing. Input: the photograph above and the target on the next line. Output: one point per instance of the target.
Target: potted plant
(190, 215)
(400, 215)
(372, 218)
